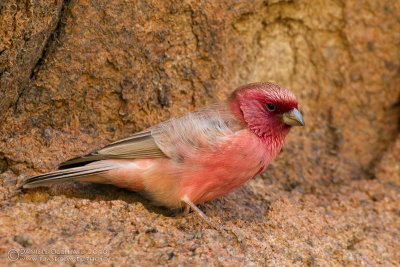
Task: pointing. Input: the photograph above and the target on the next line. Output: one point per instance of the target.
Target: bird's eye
(270, 106)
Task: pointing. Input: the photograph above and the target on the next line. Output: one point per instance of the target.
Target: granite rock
(76, 75)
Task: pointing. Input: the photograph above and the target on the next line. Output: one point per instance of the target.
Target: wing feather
(197, 130)
(139, 145)
(175, 138)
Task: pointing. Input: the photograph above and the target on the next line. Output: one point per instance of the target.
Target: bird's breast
(226, 168)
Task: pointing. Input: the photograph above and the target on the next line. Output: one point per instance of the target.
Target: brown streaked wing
(139, 145)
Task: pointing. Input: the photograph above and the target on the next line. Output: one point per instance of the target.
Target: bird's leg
(217, 226)
(182, 211)
(187, 209)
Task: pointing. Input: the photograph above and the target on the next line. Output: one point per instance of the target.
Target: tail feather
(82, 173)
(80, 161)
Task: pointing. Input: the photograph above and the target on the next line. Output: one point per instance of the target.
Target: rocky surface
(76, 75)
(25, 28)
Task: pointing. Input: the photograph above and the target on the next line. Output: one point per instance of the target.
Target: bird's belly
(200, 176)
(165, 182)
(213, 182)
(156, 179)
(227, 168)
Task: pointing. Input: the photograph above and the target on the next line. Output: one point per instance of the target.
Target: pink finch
(196, 157)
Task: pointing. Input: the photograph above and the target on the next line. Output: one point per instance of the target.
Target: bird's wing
(173, 138)
(201, 129)
(139, 145)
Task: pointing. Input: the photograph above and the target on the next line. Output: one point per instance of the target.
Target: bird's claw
(216, 226)
(239, 237)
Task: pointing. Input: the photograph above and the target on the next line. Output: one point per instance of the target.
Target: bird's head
(267, 109)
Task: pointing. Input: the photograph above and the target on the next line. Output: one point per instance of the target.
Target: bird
(196, 157)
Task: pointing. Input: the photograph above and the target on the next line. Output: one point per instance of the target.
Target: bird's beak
(293, 118)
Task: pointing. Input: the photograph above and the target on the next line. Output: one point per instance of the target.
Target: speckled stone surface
(76, 75)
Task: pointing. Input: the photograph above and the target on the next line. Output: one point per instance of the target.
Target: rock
(76, 75)
(25, 28)
(24, 240)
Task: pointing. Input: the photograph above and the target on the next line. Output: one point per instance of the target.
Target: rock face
(75, 75)
(25, 28)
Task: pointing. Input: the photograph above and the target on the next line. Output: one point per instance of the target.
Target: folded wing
(139, 145)
(172, 138)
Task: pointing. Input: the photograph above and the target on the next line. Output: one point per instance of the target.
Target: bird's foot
(182, 211)
(216, 226)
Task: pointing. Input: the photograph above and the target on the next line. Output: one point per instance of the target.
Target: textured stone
(111, 68)
(25, 27)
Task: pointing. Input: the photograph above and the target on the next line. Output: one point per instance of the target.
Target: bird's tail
(86, 173)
